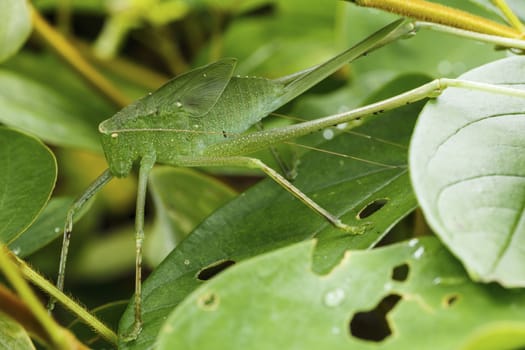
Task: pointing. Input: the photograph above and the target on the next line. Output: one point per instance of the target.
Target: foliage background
(138, 45)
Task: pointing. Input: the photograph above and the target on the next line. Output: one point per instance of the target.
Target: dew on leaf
(419, 252)
(328, 134)
(334, 297)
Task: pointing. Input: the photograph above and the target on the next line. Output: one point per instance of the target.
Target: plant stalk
(436, 13)
(69, 53)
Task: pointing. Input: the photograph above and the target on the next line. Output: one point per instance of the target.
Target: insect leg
(146, 164)
(77, 206)
(253, 163)
(289, 171)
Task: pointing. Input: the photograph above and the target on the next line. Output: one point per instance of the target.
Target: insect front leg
(146, 164)
(76, 207)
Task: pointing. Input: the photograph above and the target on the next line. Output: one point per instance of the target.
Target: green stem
(492, 39)
(67, 302)
(65, 50)
(437, 13)
(509, 15)
(12, 273)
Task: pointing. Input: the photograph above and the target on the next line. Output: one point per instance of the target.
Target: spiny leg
(146, 164)
(253, 163)
(76, 207)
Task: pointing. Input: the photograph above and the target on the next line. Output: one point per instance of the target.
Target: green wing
(196, 91)
(191, 94)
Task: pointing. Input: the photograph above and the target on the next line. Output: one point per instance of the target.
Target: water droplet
(419, 252)
(16, 250)
(328, 134)
(178, 104)
(342, 126)
(436, 280)
(342, 109)
(204, 75)
(413, 242)
(114, 135)
(336, 330)
(149, 93)
(459, 68)
(444, 67)
(334, 297)
(186, 262)
(57, 229)
(196, 126)
(388, 286)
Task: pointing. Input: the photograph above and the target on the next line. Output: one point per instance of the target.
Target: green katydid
(196, 120)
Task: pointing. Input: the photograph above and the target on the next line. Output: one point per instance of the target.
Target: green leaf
(13, 335)
(276, 301)
(15, 27)
(45, 112)
(266, 217)
(467, 157)
(170, 188)
(48, 226)
(27, 178)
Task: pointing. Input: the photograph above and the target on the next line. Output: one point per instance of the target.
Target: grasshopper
(197, 119)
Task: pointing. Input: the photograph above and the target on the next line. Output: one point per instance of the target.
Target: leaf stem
(68, 52)
(509, 15)
(441, 14)
(492, 39)
(67, 302)
(51, 331)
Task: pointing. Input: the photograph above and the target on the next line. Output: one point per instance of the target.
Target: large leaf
(15, 26)
(44, 111)
(48, 226)
(275, 301)
(171, 187)
(266, 217)
(28, 173)
(13, 335)
(467, 164)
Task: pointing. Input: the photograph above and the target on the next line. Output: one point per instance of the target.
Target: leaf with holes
(266, 218)
(27, 177)
(276, 301)
(467, 161)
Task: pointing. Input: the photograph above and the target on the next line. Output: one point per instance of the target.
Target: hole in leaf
(400, 272)
(371, 208)
(450, 300)
(213, 269)
(208, 301)
(372, 325)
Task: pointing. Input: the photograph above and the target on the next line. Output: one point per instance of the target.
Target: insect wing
(197, 91)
